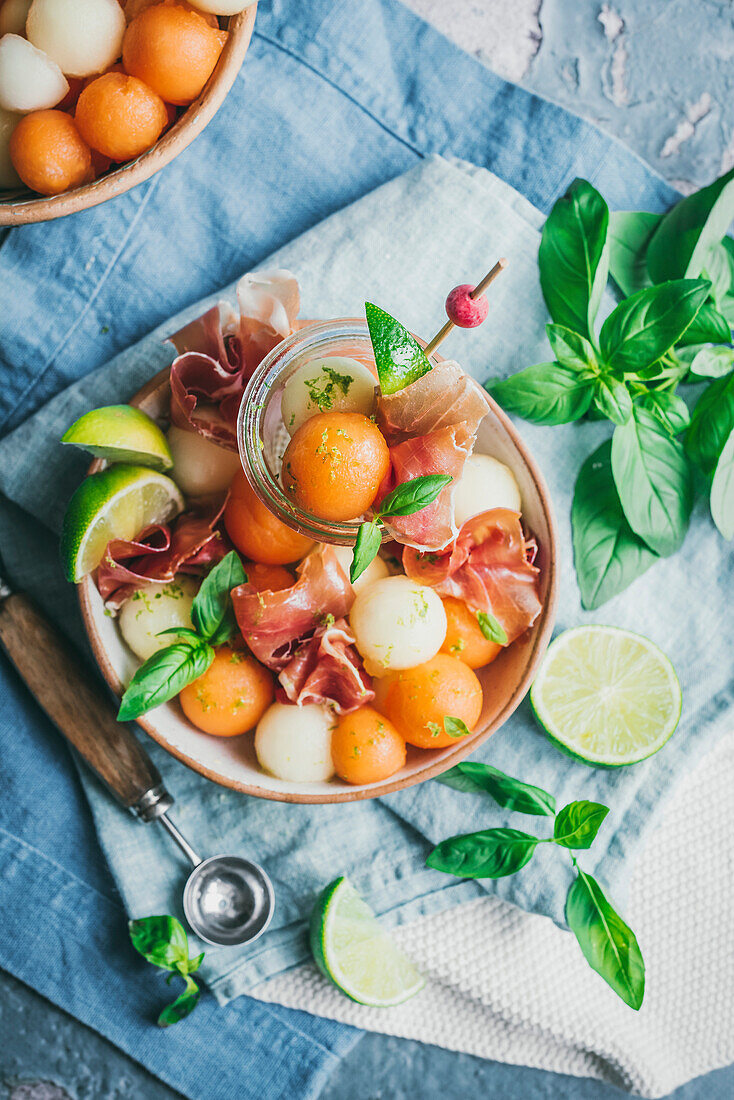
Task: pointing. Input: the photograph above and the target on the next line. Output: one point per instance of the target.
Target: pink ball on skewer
(463, 310)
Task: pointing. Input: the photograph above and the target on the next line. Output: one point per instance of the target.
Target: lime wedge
(606, 696)
(351, 949)
(116, 503)
(121, 433)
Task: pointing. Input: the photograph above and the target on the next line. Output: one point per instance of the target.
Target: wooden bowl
(231, 761)
(22, 207)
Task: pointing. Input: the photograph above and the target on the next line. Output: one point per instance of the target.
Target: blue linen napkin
(383, 91)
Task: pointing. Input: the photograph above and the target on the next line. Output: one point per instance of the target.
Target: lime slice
(351, 949)
(116, 503)
(121, 433)
(606, 696)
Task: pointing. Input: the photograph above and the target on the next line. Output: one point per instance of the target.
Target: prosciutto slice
(219, 352)
(192, 544)
(490, 567)
(431, 428)
(327, 668)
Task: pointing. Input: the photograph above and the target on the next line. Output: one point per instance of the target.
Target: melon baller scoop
(227, 900)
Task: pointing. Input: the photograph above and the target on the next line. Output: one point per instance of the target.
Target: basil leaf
(574, 257)
(492, 630)
(411, 496)
(712, 362)
(608, 555)
(182, 632)
(654, 482)
(522, 798)
(492, 853)
(670, 410)
(612, 398)
(608, 944)
(629, 235)
(454, 727)
(184, 1004)
(709, 326)
(571, 349)
(366, 548)
(711, 423)
(211, 612)
(680, 244)
(546, 393)
(722, 490)
(162, 676)
(195, 963)
(717, 268)
(646, 326)
(399, 358)
(578, 823)
(160, 940)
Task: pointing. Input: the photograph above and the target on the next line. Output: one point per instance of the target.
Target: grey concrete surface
(658, 74)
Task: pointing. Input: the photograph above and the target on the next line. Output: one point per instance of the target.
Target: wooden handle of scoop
(79, 706)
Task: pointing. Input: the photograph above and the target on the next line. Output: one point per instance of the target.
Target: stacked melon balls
(85, 84)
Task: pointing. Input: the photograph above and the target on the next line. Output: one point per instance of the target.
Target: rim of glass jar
(250, 423)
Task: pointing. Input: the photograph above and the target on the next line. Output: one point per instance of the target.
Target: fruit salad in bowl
(316, 563)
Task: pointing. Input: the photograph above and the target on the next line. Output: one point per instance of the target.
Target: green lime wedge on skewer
(116, 503)
(606, 696)
(121, 433)
(359, 957)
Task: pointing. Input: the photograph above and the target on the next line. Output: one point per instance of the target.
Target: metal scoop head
(228, 900)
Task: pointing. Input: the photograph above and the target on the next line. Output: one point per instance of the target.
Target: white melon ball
(333, 384)
(82, 36)
(29, 80)
(294, 743)
(485, 483)
(154, 608)
(199, 466)
(222, 7)
(375, 571)
(8, 176)
(397, 623)
(13, 14)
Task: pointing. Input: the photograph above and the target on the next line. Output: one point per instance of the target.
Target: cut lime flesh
(116, 503)
(351, 949)
(121, 433)
(606, 696)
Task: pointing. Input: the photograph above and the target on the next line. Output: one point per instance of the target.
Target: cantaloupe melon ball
(13, 14)
(222, 7)
(29, 80)
(82, 36)
(8, 176)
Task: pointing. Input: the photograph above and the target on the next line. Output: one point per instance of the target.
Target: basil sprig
(608, 944)
(169, 670)
(633, 500)
(164, 943)
(406, 499)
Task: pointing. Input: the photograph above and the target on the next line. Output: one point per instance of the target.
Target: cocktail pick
(466, 307)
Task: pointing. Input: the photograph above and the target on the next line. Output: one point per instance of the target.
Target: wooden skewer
(479, 289)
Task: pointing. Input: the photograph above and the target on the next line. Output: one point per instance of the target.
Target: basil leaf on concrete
(629, 235)
(712, 362)
(577, 824)
(184, 1004)
(711, 423)
(653, 479)
(709, 326)
(546, 393)
(646, 326)
(608, 944)
(492, 853)
(680, 243)
(571, 349)
(722, 490)
(366, 548)
(163, 675)
(211, 612)
(399, 358)
(670, 410)
(161, 940)
(612, 398)
(574, 257)
(511, 793)
(608, 555)
(491, 628)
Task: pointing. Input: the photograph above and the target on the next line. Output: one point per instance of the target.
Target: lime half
(121, 433)
(116, 503)
(351, 949)
(606, 696)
